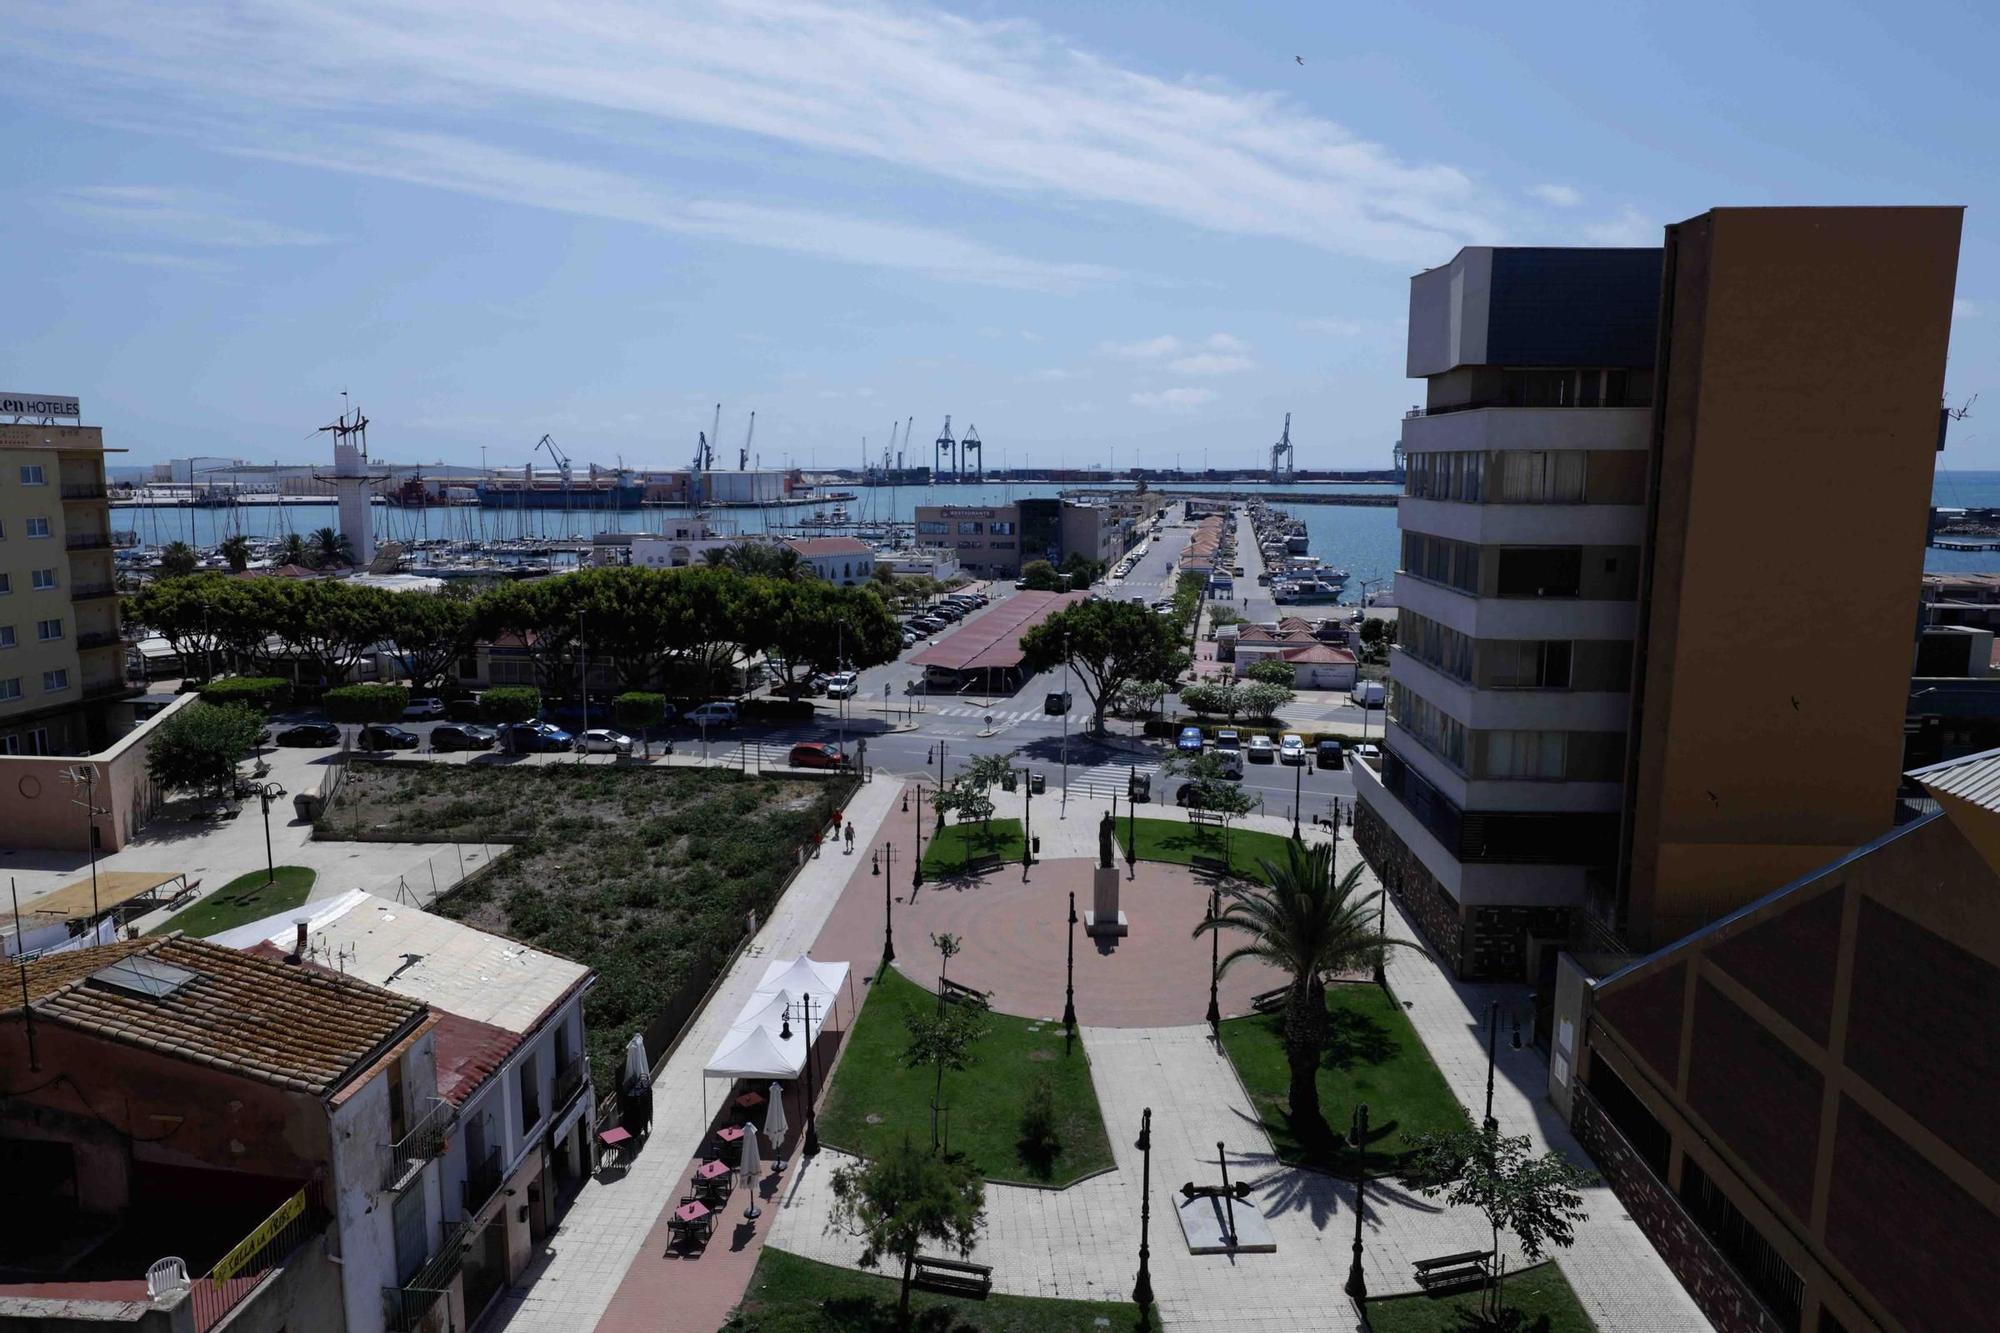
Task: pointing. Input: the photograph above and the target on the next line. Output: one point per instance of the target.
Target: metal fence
(439, 873)
(269, 1246)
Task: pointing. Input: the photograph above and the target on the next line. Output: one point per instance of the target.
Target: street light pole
(268, 793)
(1132, 824)
(917, 870)
(1142, 1290)
(1063, 812)
(1492, 1031)
(1069, 974)
(888, 917)
(1357, 1284)
(810, 1148)
(1214, 962)
(1298, 794)
(1027, 824)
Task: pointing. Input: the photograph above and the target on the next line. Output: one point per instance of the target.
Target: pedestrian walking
(850, 837)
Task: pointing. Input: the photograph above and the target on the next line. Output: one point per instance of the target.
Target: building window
(1001, 529)
(1441, 560)
(55, 681)
(38, 743)
(6, 636)
(1437, 730)
(1525, 664)
(1539, 476)
(45, 579)
(412, 1231)
(933, 527)
(6, 584)
(10, 688)
(968, 527)
(34, 474)
(38, 527)
(1539, 571)
(1435, 645)
(46, 630)
(531, 1093)
(9, 744)
(1524, 754)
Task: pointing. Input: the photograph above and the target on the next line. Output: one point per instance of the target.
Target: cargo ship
(598, 493)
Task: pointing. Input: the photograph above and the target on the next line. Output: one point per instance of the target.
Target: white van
(712, 715)
(1368, 694)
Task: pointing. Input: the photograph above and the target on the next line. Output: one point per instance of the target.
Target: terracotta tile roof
(1319, 653)
(294, 1027)
(1265, 634)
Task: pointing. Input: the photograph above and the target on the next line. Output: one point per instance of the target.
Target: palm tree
(178, 558)
(330, 548)
(293, 552)
(236, 550)
(1306, 924)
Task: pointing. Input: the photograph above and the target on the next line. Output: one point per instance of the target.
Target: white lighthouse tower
(353, 485)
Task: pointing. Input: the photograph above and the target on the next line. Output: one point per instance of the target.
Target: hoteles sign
(39, 405)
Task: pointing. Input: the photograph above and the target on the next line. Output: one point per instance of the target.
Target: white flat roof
(457, 968)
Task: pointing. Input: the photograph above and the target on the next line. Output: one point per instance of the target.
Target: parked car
(463, 736)
(817, 754)
(1292, 748)
(843, 686)
(1261, 750)
(309, 734)
(462, 708)
(538, 738)
(1232, 762)
(1057, 703)
(1140, 787)
(717, 714)
(1368, 694)
(384, 736)
(1189, 741)
(1227, 739)
(1370, 753)
(430, 709)
(604, 740)
(909, 638)
(1330, 755)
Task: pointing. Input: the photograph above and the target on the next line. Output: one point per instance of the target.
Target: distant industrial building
(1611, 710)
(995, 541)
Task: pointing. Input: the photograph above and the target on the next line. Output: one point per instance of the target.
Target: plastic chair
(168, 1277)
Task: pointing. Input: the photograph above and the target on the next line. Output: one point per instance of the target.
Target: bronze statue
(1104, 839)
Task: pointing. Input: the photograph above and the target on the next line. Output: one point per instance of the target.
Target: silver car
(603, 740)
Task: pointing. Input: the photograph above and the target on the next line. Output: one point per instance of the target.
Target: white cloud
(1056, 375)
(1210, 363)
(1560, 196)
(1173, 400)
(1961, 308)
(1223, 342)
(1004, 106)
(1630, 227)
(154, 259)
(1146, 349)
(1333, 326)
(170, 213)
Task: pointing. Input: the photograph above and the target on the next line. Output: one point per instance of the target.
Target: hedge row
(261, 692)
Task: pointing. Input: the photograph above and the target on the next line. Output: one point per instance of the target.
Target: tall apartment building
(1661, 516)
(60, 645)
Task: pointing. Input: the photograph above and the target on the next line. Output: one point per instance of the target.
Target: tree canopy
(903, 1198)
(1106, 643)
(197, 748)
(1537, 1197)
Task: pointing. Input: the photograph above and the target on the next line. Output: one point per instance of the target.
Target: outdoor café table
(731, 1138)
(750, 1101)
(692, 1215)
(713, 1176)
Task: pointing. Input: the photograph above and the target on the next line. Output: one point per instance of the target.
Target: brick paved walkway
(1156, 976)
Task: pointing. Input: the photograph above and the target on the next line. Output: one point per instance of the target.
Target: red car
(817, 754)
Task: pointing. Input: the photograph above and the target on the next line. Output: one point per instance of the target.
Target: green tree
(1538, 1198)
(181, 611)
(504, 705)
(197, 748)
(1105, 643)
(815, 626)
(1212, 700)
(1140, 697)
(904, 1198)
(359, 705)
(1212, 790)
(326, 625)
(981, 776)
(236, 550)
(639, 712)
(1373, 631)
(431, 630)
(178, 559)
(1081, 570)
(293, 551)
(1041, 576)
(330, 549)
(943, 1039)
(1304, 923)
(1263, 700)
(964, 799)
(1272, 671)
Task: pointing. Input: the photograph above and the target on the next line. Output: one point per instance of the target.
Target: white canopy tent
(755, 1046)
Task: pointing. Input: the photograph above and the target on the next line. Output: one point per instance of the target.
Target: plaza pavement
(1081, 1242)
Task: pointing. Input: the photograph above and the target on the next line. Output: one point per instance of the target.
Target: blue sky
(1103, 233)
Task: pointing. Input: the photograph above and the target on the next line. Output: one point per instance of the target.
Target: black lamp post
(1132, 824)
(917, 869)
(888, 917)
(1357, 1285)
(1298, 794)
(1069, 974)
(810, 1148)
(1381, 928)
(1027, 824)
(1492, 1031)
(1214, 961)
(267, 793)
(1142, 1290)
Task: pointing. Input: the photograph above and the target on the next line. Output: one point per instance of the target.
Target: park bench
(1213, 865)
(1451, 1270)
(1265, 1002)
(952, 1277)
(980, 865)
(958, 993)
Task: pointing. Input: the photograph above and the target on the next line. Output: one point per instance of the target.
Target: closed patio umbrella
(775, 1126)
(753, 1166)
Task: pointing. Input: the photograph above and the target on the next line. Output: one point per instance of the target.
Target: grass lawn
(876, 1099)
(644, 874)
(1373, 1055)
(1539, 1296)
(789, 1294)
(243, 899)
(1171, 840)
(947, 850)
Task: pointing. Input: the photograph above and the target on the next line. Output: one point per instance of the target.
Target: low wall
(36, 798)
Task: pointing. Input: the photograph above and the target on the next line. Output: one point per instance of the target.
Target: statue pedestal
(1103, 917)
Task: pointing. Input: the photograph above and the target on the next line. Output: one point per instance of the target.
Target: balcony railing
(99, 639)
(482, 1181)
(88, 541)
(97, 689)
(84, 491)
(84, 592)
(569, 1083)
(424, 1141)
(420, 1303)
(269, 1246)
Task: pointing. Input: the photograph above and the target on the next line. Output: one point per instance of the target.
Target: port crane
(1283, 466)
(969, 449)
(743, 454)
(947, 448)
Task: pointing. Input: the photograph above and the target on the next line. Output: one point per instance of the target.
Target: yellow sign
(238, 1259)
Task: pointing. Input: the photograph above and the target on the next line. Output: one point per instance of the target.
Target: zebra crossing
(1107, 780)
(1004, 718)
